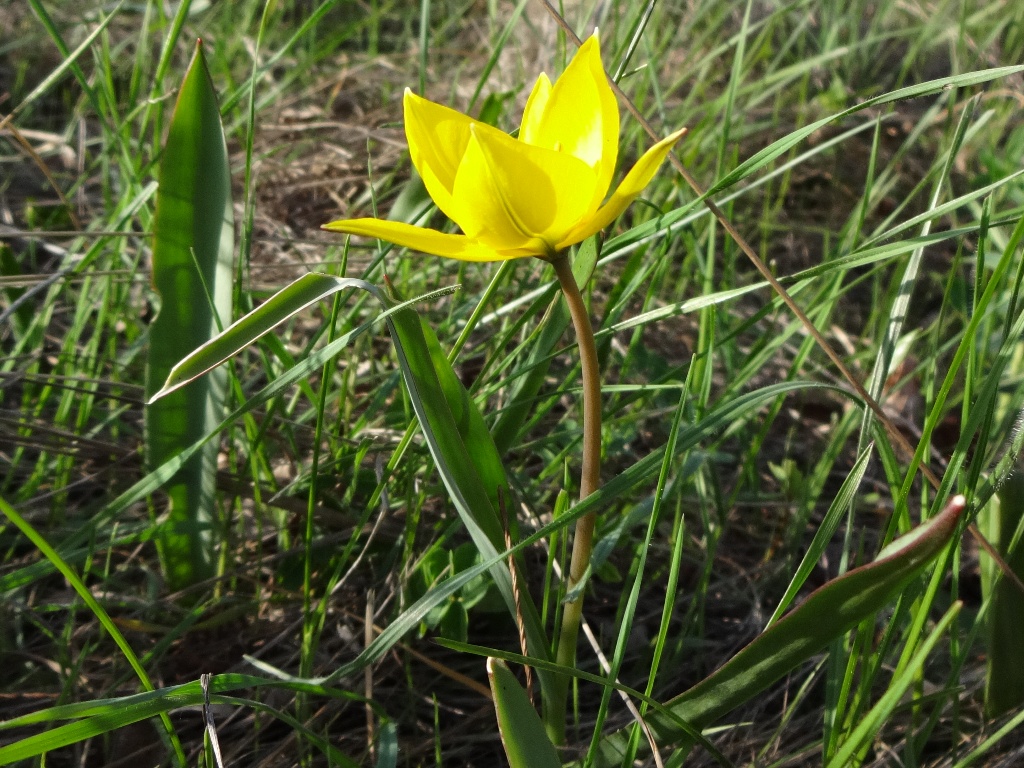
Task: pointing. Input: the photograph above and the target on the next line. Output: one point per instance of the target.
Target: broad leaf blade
(192, 253)
(465, 456)
(430, 375)
(826, 614)
(522, 732)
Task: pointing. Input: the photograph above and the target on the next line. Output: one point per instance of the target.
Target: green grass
(895, 228)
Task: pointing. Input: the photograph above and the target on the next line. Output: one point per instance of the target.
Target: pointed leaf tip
(522, 732)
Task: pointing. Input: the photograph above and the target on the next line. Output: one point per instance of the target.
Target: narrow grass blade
(625, 482)
(868, 727)
(992, 741)
(99, 612)
(828, 526)
(522, 732)
(525, 388)
(825, 615)
(95, 718)
(930, 88)
(192, 254)
(11, 270)
(69, 61)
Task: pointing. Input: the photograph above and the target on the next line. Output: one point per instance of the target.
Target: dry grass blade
(28, 149)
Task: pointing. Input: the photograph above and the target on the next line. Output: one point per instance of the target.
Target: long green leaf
(466, 459)
(930, 88)
(522, 731)
(285, 304)
(825, 615)
(192, 253)
(431, 375)
(690, 211)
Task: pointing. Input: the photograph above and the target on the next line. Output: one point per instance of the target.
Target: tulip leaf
(286, 303)
(825, 615)
(192, 255)
(466, 459)
(469, 423)
(1002, 522)
(522, 732)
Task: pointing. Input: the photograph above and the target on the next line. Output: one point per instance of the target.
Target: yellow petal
(581, 116)
(437, 138)
(533, 114)
(639, 176)
(480, 208)
(514, 195)
(420, 239)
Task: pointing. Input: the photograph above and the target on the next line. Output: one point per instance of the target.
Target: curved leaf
(466, 459)
(826, 614)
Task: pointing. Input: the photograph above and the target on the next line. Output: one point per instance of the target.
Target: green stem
(590, 479)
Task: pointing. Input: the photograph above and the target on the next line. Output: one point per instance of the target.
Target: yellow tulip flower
(534, 195)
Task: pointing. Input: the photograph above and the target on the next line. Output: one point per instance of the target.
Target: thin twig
(29, 150)
(516, 595)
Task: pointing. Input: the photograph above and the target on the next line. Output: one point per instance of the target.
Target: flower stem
(590, 479)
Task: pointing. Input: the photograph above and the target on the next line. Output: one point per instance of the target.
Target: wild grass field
(797, 367)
